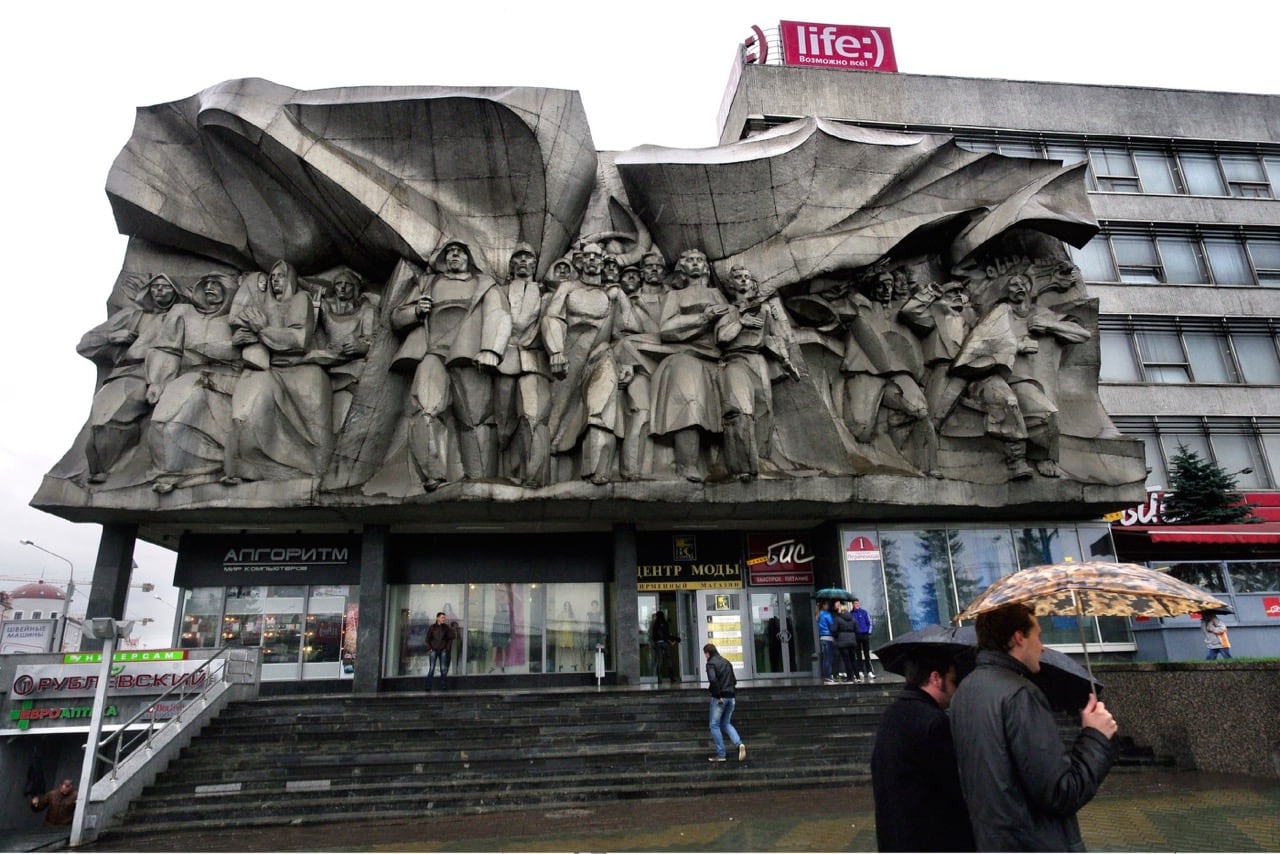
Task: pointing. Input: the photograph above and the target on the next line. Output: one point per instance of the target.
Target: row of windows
(1180, 258)
(1235, 576)
(1248, 448)
(1146, 349)
(1166, 169)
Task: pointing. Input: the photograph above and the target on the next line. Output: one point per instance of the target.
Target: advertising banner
(707, 561)
(55, 694)
(775, 560)
(1271, 606)
(249, 560)
(838, 46)
(27, 636)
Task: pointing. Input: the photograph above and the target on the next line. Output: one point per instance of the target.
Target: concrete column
(111, 573)
(373, 608)
(626, 611)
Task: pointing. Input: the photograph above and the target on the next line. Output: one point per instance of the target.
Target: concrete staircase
(291, 760)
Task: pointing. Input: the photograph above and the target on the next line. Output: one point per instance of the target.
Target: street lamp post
(71, 589)
(108, 631)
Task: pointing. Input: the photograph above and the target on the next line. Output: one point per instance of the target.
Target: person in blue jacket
(827, 642)
(862, 649)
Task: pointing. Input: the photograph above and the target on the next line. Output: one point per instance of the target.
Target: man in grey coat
(1022, 786)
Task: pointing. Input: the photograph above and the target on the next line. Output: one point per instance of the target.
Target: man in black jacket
(721, 684)
(1022, 786)
(440, 639)
(914, 780)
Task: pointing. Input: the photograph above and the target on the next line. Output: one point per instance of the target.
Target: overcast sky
(650, 72)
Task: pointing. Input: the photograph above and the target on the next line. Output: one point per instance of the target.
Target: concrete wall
(1222, 717)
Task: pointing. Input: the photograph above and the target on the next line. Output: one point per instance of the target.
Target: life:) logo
(838, 46)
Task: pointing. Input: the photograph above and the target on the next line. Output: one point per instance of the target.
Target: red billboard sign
(778, 559)
(837, 46)
(1271, 605)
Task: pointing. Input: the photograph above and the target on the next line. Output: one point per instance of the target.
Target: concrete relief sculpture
(583, 317)
(193, 372)
(347, 321)
(121, 346)
(522, 393)
(281, 414)
(460, 310)
(456, 326)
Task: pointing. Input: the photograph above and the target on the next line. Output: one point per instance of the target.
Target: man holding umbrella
(914, 780)
(1022, 787)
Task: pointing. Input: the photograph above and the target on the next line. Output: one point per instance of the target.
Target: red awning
(1257, 534)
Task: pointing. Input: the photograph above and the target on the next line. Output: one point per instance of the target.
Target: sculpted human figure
(639, 355)
(1010, 361)
(686, 388)
(464, 327)
(879, 369)
(192, 373)
(122, 342)
(582, 319)
(754, 328)
(347, 320)
(281, 417)
(523, 386)
(941, 316)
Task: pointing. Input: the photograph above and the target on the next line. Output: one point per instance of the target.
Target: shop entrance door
(781, 633)
(676, 662)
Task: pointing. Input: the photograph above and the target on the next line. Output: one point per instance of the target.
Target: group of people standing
(844, 630)
(994, 773)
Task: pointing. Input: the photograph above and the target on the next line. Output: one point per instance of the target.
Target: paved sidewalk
(1137, 810)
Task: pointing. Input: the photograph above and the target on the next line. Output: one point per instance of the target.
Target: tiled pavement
(1137, 810)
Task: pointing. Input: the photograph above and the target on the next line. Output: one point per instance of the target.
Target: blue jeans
(721, 713)
(440, 657)
(1214, 653)
(828, 649)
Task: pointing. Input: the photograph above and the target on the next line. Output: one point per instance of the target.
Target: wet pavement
(1136, 810)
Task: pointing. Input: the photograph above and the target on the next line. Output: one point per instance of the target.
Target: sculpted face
(653, 271)
(278, 280)
(162, 292)
(610, 269)
(884, 287)
(214, 292)
(561, 271)
(522, 265)
(1019, 289)
(631, 279)
(456, 259)
(955, 299)
(693, 264)
(344, 287)
(742, 284)
(592, 263)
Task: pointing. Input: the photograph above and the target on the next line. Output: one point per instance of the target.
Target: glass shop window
(200, 624)
(1257, 576)
(1207, 576)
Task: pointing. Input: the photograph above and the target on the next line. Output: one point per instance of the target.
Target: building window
(927, 575)
(1246, 448)
(1157, 349)
(1246, 176)
(1207, 576)
(1255, 576)
(1179, 257)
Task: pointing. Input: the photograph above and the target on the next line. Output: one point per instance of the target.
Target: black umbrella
(834, 593)
(1064, 680)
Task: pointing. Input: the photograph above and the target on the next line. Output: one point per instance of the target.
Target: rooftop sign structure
(842, 46)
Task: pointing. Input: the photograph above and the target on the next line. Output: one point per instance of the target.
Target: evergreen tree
(1203, 493)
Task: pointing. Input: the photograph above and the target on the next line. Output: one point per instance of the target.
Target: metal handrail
(127, 742)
